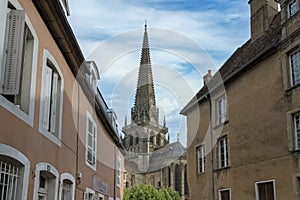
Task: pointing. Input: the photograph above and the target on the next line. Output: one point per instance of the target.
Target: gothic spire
(144, 109)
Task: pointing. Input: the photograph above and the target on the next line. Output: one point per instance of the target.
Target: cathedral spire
(144, 109)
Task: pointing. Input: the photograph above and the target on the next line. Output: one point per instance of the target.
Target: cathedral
(151, 158)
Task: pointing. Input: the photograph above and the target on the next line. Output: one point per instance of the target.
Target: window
(200, 159)
(89, 194)
(297, 130)
(45, 182)
(101, 196)
(224, 194)
(118, 171)
(295, 68)
(177, 178)
(92, 74)
(223, 152)
(14, 173)
(67, 186)
(18, 60)
(51, 99)
(265, 190)
(91, 141)
(9, 179)
(292, 8)
(221, 110)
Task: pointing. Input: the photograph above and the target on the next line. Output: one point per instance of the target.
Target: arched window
(177, 179)
(45, 182)
(14, 173)
(67, 187)
(169, 176)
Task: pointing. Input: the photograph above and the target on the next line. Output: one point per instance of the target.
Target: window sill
(200, 174)
(91, 166)
(50, 136)
(221, 124)
(221, 169)
(292, 88)
(14, 109)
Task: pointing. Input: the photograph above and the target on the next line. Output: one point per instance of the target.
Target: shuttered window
(15, 74)
(51, 99)
(265, 190)
(91, 141)
(224, 194)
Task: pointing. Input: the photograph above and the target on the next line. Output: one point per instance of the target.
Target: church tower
(144, 134)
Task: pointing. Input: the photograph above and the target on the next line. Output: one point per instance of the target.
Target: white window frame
(296, 119)
(200, 151)
(14, 109)
(292, 68)
(101, 196)
(90, 118)
(13, 153)
(67, 176)
(221, 110)
(261, 182)
(88, 191)
(226, 152)
(226, 189)
(118, 171)
(54, 138)
(292, 8)
(50, 169)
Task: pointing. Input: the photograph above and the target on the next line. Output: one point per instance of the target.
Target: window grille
(9, 176)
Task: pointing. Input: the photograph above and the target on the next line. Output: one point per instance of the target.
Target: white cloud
(179, 37)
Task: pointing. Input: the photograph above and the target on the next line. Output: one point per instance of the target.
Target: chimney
(262, 13)
(207, 77)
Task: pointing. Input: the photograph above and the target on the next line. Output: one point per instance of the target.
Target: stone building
(151, 158)
(53, 126)
(245, 141)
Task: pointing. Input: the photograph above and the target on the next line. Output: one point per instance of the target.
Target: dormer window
(292, 8)
(92, 74)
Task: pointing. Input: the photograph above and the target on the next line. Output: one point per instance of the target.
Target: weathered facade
(150, 158)
(246, 143)
(53, 126)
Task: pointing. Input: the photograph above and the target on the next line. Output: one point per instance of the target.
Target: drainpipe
(115, 165)
(212, 180)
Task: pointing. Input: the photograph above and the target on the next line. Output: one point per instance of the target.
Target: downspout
(212, 181)
(115, 160)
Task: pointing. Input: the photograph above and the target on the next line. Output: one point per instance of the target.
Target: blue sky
(186, 39)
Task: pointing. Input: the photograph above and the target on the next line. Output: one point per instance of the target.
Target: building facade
(246, 143)
(53, 119)
(151, 158)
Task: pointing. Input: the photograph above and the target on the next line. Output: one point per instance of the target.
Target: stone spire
(144, 110)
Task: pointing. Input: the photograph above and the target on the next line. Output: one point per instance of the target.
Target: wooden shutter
(266, 191)
(54, 98)
(14, 53)
(46, 96)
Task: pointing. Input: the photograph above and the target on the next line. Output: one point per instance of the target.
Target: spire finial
(164, 121)
(145, 23)
(177, 137)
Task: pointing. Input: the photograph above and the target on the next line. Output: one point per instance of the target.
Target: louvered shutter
(14, 53)
(46, 96)
(54, 103)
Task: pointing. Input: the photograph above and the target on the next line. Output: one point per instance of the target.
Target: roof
(159, 159)
(242, 60)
